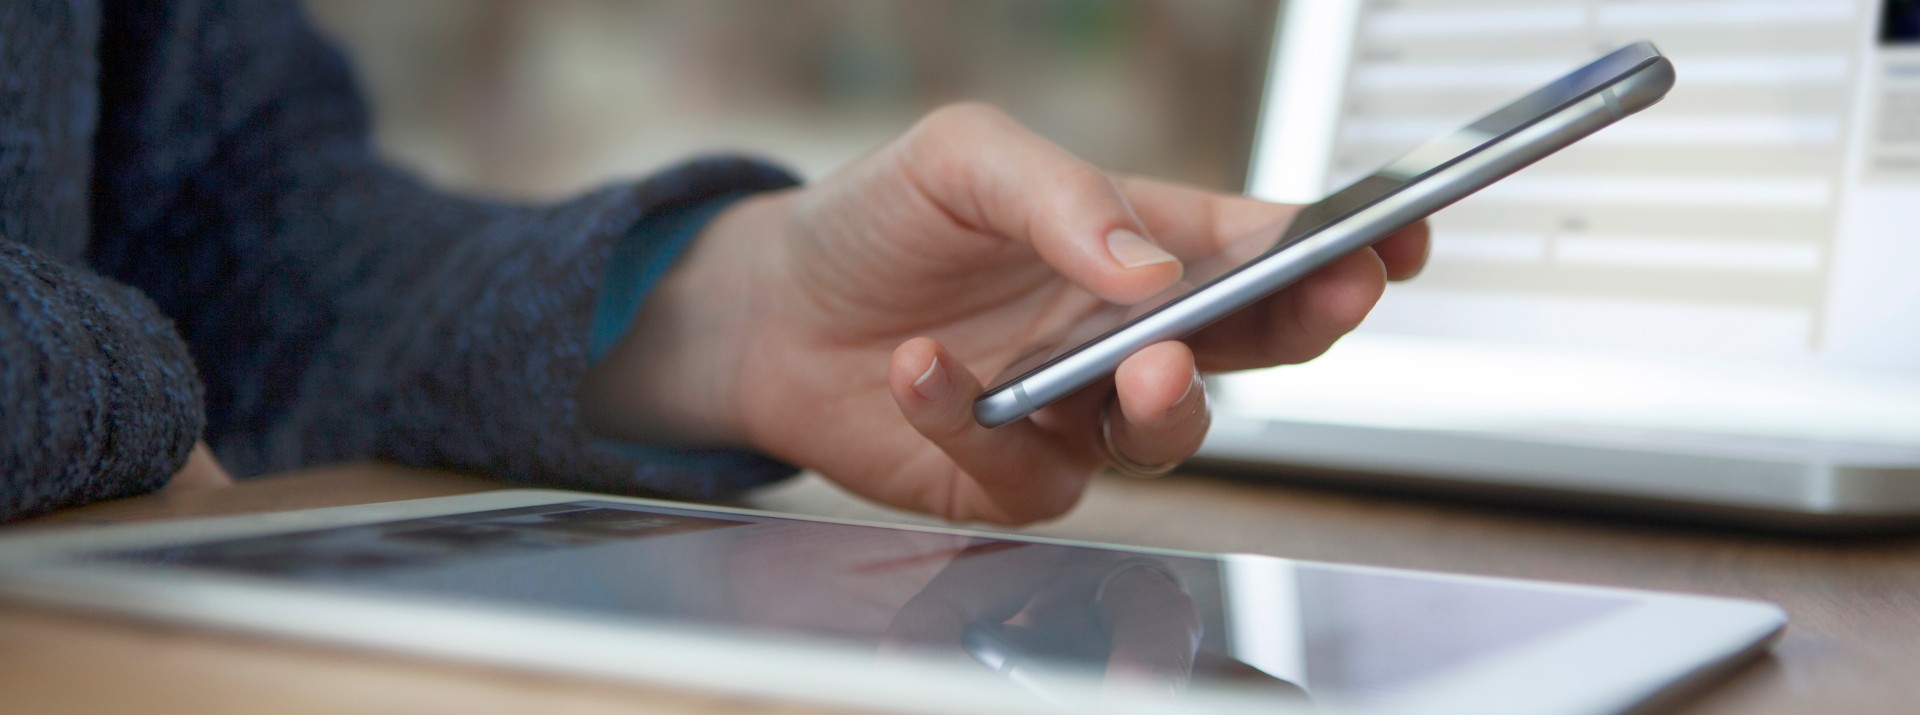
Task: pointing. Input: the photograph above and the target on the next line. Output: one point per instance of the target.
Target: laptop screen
(1763, 212)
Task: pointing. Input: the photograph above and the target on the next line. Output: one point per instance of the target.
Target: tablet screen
(1039, 612)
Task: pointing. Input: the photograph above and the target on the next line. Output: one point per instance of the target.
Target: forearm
(340, 308)
(98, 398)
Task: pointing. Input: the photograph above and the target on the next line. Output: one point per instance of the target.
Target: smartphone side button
(1613, 103)
(1002, 406)
(1020, 395)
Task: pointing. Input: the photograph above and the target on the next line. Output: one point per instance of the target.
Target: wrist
(671, 377)
(202, 471)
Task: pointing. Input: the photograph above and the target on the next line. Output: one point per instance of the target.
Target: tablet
(889, 617)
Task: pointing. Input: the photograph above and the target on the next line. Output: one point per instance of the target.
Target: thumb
(1013, 474)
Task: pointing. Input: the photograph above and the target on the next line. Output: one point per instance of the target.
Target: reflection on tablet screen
(1037, 612)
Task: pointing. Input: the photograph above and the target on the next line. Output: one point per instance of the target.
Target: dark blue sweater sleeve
(340, 309)
(98, 398)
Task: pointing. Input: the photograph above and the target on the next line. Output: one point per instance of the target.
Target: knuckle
(945, 133)
(962, 116)
(1082, 176)
(944, 144)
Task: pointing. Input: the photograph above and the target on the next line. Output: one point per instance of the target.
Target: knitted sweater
(196, 239)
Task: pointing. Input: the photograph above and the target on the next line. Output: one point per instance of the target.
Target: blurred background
(534, 99)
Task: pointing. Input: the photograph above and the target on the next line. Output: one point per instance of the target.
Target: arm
(97, 396)
(338, 308)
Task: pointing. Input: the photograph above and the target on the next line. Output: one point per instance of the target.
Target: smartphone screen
(1419, 165)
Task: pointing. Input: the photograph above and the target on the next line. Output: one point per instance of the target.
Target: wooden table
(1853, 646)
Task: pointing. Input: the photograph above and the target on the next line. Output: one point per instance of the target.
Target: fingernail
(931, 384)
(1133, 251)
(1193, 382)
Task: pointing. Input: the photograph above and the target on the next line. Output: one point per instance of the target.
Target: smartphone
(1429, 178)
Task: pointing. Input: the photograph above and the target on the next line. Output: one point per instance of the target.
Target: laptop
(1710, 310)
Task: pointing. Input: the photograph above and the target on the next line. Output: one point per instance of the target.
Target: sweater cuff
(640, 258)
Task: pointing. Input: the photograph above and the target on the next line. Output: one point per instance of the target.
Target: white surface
(1430, 383)
(1690, 430)
(1295, 132)
(1808, 480)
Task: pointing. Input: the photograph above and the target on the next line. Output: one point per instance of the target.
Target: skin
(847, 326)
(202, 471)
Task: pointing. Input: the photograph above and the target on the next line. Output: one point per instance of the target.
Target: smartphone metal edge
(1630, 93)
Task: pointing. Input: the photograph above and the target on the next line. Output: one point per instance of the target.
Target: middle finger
(1298, 323)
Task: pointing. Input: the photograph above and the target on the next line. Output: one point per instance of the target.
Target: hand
(847, 326)
(202, 471)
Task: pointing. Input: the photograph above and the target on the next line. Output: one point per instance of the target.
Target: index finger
(1192, 222)
(989, 174)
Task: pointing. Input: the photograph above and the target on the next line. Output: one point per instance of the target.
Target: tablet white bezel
(1608, 665)
(1602, 667)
